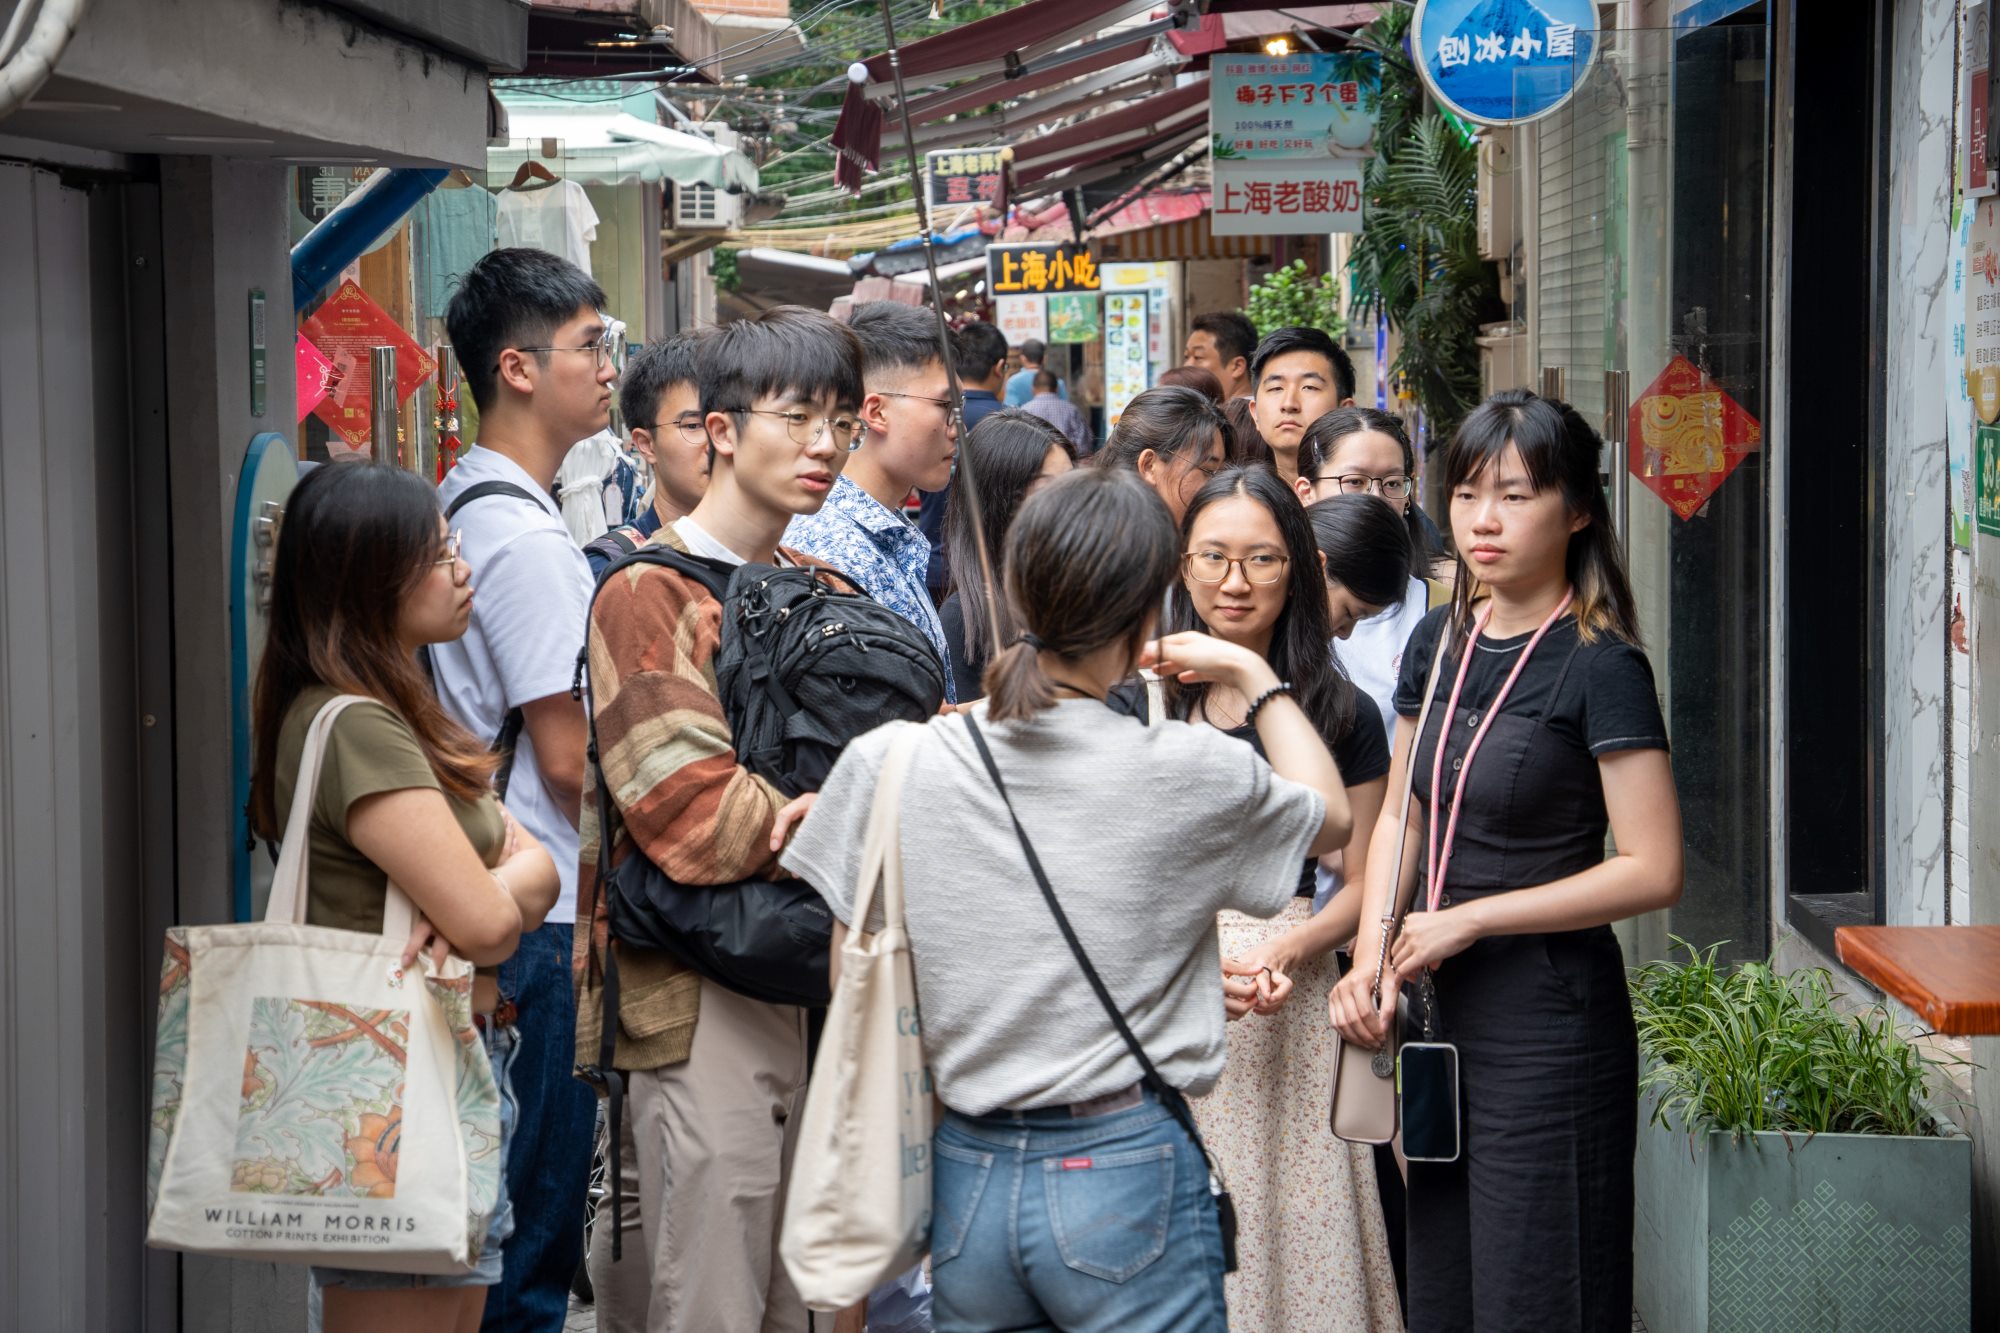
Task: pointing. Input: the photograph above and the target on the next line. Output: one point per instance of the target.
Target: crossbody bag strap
(1170, 1096)
(1400, 902)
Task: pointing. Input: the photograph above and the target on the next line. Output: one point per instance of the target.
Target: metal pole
(962, 473)
(1552, 383)
(443, 443)
(384, 439)
(1617, 444)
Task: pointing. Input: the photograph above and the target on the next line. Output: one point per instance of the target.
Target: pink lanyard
(1440, 863)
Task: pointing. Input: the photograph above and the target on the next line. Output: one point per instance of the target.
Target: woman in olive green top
(365, 577)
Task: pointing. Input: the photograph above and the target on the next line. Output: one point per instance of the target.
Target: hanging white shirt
(557, 218)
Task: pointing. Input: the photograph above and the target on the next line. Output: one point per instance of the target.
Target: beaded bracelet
(1282, 687)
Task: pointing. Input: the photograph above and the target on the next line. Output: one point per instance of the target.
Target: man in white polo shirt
(541, 360)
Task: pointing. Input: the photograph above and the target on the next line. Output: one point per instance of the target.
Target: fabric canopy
(1149, 118)
(1000, 43)
(1101, 163)
(953, 101)
(603, 149)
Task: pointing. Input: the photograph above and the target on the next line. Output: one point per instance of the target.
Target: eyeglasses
(453, 545)
(1355, 483)
(1213, 567)
(607, 346)
(693, 427)
(806, 429)
(944, 403)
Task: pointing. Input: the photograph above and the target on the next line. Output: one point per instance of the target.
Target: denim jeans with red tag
(1043, 1220)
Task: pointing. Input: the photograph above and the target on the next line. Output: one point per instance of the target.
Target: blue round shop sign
(1503, 62)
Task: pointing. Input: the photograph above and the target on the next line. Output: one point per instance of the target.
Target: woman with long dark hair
(365, 577)
(1016, 453)
(1066, 1192)
(1174, 438)
(1545, 735)
(1314, 1251)
(1360, 451)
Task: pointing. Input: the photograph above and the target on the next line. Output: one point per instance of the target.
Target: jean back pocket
(1109, 1212)
(958, 1179)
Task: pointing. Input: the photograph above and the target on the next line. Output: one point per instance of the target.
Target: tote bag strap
(287, 903)
(882, 853)
(1399, 902)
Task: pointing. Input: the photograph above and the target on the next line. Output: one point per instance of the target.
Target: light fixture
(56, 105)
(1279, 46)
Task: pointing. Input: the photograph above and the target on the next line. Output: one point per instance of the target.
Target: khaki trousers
(707, 1158)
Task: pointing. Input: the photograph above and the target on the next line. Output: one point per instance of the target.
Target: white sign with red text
(1022, 318)
(1285, 198)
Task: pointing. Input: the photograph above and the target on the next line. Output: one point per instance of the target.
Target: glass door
(1645, 207)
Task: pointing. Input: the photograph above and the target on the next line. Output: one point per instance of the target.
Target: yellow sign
(1017, 270)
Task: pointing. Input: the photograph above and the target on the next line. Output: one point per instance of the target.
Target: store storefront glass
(1644, 200)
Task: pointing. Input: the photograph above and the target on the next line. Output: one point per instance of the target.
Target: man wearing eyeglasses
(908, 442)
(661, 402)
(540, 360)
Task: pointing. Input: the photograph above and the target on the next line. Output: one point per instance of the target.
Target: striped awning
(1189, 238)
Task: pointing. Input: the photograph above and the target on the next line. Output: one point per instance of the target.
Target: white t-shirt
(532, 591)
(1008, 1020)
(557, 218)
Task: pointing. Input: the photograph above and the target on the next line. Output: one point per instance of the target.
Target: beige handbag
(858, 1211)
(1364, 1106)
(312, 1101)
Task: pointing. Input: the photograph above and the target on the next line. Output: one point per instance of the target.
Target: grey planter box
(1839, 1233)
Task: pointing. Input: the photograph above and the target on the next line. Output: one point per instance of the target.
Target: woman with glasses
(1313, 1252)
(1360, 451)
(1174, 438)
(1015, 453)
(405, 797)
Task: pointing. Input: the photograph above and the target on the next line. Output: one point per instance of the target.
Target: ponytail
(1016, 686)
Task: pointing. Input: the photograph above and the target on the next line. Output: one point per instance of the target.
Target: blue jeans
(1040, 1220)
(548, 1171)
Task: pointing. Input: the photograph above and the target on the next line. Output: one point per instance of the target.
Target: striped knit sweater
(664, 746)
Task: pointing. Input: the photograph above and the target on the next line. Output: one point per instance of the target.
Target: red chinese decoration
(345, 328)
(1687, 436)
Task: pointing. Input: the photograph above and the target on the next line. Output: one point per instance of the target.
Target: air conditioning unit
(705, 208)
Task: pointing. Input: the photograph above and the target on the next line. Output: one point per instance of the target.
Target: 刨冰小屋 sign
(1041, 270)
(1289, 136)
(1503, 62)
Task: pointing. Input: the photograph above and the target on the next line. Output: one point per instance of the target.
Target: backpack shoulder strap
(710, 574)
(480, 490)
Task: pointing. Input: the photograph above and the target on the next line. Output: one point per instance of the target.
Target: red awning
(1004, 41)
(983, 91)
(1130, 126)
(1134, 78)
(1101, 163)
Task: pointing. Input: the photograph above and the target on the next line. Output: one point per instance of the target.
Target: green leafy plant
(722, 267)
(1293, 296)
(1755, 1050)
(1416, 262)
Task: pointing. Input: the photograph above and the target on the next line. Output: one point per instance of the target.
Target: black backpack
(612, 547)
(803, 669)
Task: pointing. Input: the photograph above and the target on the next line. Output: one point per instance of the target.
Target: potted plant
(1792, 1172)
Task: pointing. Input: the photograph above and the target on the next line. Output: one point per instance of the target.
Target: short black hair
(512, 298)
(1232, 331)
(895, 337)
(1301, 339)
(788, 351)
(1034, 350)
(978, 347)
(657, 367)
(1046, 381)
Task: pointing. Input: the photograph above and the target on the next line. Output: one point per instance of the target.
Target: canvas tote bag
(312, 1102)
(859, 1208)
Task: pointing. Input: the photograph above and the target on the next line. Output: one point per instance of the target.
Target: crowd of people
(1177, 677)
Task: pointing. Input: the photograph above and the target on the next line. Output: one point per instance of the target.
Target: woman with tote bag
(1062, 1026)
(365, 577)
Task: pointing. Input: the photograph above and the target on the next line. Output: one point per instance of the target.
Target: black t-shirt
(967, 669)
(1533, 810)
(1362, 754)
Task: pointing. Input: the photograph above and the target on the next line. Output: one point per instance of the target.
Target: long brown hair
(1088, 559)
(1558, 448)
(355, 540)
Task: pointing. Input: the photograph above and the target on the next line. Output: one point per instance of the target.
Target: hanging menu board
(1125, 344)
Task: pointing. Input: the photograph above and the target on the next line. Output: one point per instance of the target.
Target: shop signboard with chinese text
(959, 176)
(1039, 270)
(1126, 373)
(1504, 62)
(1022, 318)
(1289, 137)
(1687, 436)
(1160, 283)
(345, 328)
(1073, 319)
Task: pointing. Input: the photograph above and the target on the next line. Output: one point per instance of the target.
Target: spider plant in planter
(1791, 1170)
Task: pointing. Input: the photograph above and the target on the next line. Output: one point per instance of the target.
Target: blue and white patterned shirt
(881, 551)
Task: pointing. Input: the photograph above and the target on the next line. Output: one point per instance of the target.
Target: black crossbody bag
(1170, 1097)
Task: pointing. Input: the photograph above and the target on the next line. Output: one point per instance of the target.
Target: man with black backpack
(540, 359)
(661, 404)
(725, 673)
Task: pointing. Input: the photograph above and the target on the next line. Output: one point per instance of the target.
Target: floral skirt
(1312, 1255)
